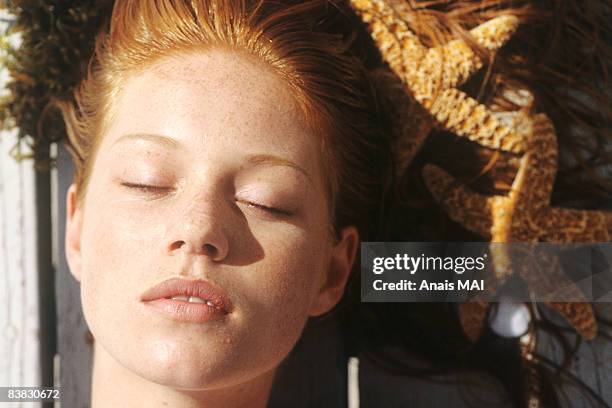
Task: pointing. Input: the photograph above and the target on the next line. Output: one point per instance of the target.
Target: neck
(113, 386)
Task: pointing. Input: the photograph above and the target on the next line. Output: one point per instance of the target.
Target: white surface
(19, 350)
(353, 382)
(19, 360)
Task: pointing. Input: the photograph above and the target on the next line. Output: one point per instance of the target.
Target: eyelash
(159, 190)
(271, 210)
(146, 188)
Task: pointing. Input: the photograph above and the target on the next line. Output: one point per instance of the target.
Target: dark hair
(562, 54)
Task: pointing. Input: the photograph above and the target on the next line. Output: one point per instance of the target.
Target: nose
(198, 231)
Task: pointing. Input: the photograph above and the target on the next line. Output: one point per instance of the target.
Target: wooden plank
(73, 346)
(20, 351)
(592, 365)
(19, 316)
(380, 388)
(314, 374)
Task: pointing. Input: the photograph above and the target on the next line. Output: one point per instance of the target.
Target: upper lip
(188, 287)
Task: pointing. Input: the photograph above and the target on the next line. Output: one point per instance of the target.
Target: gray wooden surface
(592, 364)
(73, 346)
(314, 374)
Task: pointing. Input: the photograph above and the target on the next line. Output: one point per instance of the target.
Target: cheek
(277, 293)
(286, 281)
(115, 249)
(294, 263)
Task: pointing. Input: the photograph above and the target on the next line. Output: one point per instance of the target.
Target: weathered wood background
(19, 322)
(74, 346)
(20, 362)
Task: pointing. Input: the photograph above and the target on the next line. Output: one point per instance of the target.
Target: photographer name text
(413, 264)
(407, 285)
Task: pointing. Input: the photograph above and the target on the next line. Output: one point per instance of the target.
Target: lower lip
(185, 311)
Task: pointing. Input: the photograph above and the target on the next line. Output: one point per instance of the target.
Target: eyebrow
(164, 140)
(253, 159)
(268, 159)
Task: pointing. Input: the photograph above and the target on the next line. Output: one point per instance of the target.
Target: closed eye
(146, 188)
(161, 189)
(270, 210)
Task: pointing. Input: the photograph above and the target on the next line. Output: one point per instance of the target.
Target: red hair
(328, 81)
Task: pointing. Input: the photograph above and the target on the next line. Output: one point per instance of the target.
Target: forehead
(215, 99)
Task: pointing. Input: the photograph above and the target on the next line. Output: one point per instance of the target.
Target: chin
(192, 364)
(186, 357)
(189, 364)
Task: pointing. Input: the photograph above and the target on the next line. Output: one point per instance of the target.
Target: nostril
(176, 245)
(210, 249)
(207, 249)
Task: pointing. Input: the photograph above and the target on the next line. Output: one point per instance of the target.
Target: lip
(159, 297)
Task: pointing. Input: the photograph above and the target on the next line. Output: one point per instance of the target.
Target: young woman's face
(235, 199)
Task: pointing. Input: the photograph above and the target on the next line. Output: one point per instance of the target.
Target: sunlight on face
(205, 172)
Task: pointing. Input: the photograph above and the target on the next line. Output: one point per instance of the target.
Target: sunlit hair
(328, 82)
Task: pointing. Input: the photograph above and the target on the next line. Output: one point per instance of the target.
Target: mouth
(193, 299)
(196, 301)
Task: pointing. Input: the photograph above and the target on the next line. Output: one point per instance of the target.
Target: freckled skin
(219, 107)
